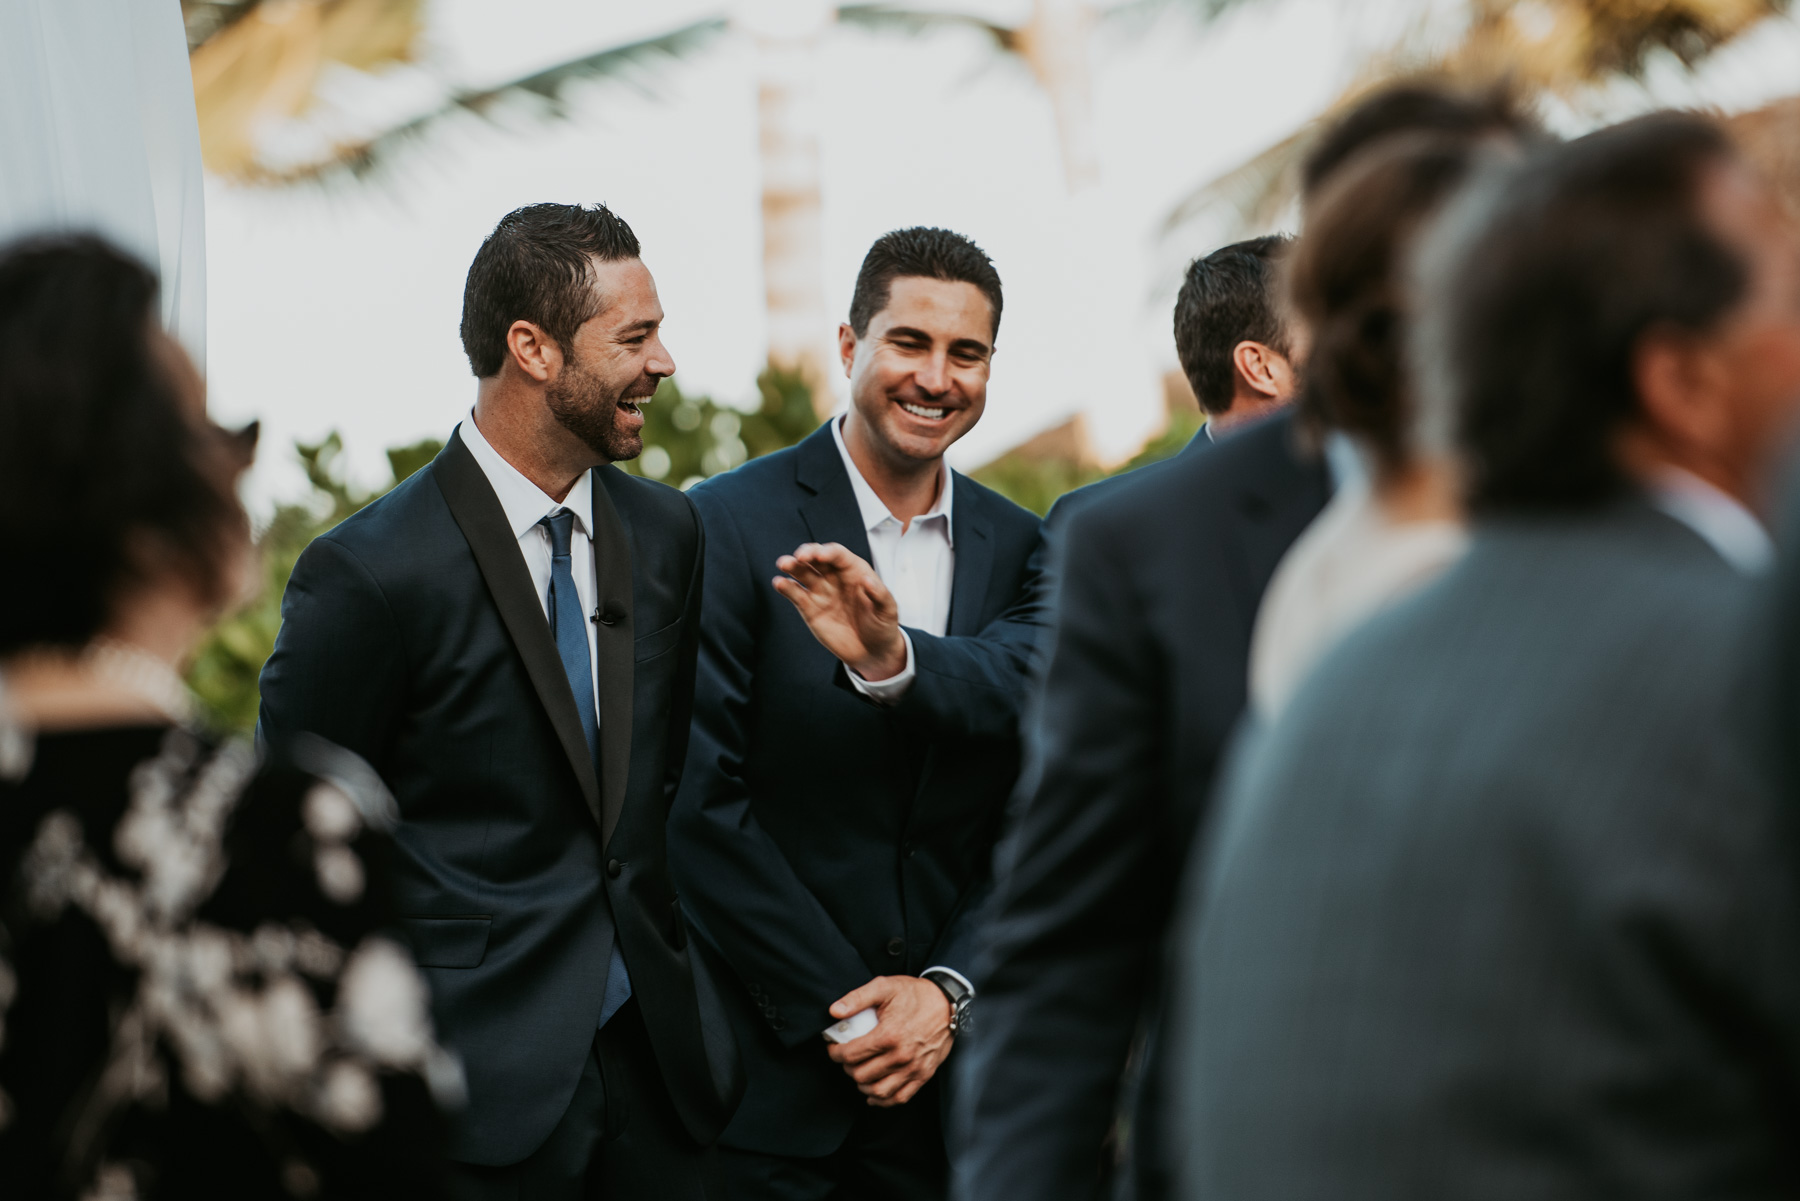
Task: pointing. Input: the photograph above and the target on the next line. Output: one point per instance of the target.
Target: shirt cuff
(890, 690)
(953, 974)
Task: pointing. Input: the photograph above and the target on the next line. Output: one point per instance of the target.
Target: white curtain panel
(97, 133)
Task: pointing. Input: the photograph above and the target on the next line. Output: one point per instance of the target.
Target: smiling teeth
(922, 411)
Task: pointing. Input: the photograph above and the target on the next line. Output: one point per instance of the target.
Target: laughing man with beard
(869, 621)
(509, 637)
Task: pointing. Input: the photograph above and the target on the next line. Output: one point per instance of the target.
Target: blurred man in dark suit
(509, 638)
(1499, 907)
(856, 737)
(1159, 577)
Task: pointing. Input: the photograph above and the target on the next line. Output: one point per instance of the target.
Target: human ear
(1679, 382)
(533, 351)
(847, 347)
(1259, 368)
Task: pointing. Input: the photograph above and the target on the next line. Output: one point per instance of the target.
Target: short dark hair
(108, 472)
(1228, 297)
(537, 266)
(1537, 291)
(1348, 281)
(1413, 106)
(928, 253)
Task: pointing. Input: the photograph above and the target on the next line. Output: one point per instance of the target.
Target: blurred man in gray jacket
(1498, 907)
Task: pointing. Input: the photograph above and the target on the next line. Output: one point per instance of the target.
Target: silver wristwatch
(960, 993)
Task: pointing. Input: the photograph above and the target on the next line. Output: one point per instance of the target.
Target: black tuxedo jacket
(822, 840)
(1159, 575)
(411, 634)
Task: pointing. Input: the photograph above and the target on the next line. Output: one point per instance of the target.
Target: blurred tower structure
(786, 34)
(1054, 44)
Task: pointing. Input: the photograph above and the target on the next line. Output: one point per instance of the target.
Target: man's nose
(661, 363)
(933, 377)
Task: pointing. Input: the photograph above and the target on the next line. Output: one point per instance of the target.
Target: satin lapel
(831, 513)
(617, 646)
(483, 522)
(974, 546)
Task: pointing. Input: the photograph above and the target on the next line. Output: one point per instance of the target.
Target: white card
(852, 1027)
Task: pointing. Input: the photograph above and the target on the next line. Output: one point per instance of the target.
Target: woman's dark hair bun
(109, 470)
(1347, 281)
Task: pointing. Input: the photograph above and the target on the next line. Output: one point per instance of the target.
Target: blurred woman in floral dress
(198, 995)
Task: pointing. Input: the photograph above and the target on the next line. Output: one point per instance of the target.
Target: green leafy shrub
(226, 666)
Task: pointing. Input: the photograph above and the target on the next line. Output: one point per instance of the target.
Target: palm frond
(361, 157)
(1255, 191)
(1202, 11)
(262, 63)
(206, 19)
(1561, 47)
(894, 18)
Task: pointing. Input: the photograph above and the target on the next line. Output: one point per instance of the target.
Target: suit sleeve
(975, 686)
(1072, 929)
(337, 669)
(735, 882)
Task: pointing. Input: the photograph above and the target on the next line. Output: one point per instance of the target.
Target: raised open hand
(846, 606)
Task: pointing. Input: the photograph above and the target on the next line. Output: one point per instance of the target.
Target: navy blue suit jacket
(1159, 575)
(412, 635)
(822, 840)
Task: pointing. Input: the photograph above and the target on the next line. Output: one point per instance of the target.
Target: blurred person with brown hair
(1499, 905)
(195, 996)
(1395, 521)
(1159, 576)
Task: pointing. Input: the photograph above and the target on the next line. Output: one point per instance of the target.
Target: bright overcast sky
(338, 307)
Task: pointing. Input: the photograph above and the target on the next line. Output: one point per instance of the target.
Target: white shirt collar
(874, 512)
(524, 503)
(1726, 525)
(1345, 462)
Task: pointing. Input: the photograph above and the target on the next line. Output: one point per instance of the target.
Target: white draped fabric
(97, 132)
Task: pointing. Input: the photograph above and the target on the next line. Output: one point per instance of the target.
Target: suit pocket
(448, 941)
(658, 642)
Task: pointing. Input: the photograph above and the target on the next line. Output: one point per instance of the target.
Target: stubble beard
(588, 407)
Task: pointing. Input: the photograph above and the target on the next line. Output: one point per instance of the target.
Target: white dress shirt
(1727, 526)
(917, 563)
(525, 504)
(1350, 563)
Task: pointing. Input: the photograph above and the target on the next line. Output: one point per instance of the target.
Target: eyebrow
(962, 344)
(644, 326)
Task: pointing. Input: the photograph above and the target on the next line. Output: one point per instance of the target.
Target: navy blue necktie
(569, 625)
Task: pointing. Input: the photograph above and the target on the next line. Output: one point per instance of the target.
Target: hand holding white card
(852, 1027)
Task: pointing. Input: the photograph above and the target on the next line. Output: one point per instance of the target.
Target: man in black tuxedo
(509, 637)
(1159, 575)
(1159, 578)
(854, 743)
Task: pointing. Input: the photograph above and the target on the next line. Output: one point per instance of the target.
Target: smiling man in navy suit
(855, 739)
(509, 637)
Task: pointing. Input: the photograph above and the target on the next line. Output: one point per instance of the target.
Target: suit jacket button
(896, 946)
(613, 868)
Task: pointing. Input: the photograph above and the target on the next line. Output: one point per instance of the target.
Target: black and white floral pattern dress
(200, 991)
